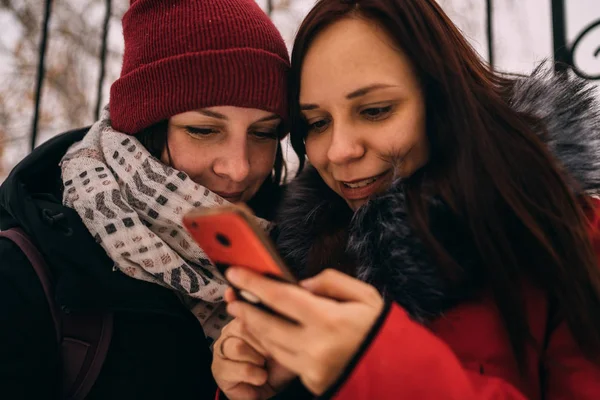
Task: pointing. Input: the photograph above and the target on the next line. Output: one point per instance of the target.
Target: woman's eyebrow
(307, 107)
(212, 114)
(271, 117)
(352, 95)
(364, 90)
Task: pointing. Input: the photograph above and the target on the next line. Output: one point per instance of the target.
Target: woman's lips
(363, 192)
(232, 197)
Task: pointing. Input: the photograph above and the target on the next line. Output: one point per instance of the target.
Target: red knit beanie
(183, 55)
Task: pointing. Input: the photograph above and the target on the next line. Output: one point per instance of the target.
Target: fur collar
(377, 244)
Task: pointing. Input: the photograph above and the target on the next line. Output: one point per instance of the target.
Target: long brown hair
(488, 163)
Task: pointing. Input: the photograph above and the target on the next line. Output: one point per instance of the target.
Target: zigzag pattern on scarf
(133, 205)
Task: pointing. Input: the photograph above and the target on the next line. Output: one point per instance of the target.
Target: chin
(356, 204)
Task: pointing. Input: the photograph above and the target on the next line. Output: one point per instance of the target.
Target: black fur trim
(568, 106)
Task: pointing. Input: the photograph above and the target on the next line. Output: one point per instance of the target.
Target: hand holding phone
(229, 237)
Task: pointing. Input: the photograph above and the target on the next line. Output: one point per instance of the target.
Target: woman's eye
(265, 135)
(192, 130)
(376, 113)
(317, 126)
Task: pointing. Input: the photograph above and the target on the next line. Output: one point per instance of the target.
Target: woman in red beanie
(195, 118)
(461, 200)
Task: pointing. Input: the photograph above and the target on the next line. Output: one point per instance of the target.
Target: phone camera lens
(223, 240)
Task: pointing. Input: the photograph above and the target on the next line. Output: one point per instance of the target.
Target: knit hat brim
(157, 91)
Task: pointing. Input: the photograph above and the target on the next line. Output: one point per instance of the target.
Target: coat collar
(82, 272)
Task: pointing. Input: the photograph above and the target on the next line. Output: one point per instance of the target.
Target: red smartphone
(229, 237)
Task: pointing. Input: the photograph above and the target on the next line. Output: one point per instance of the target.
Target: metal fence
(564, 52)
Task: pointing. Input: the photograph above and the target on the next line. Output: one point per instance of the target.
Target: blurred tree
(72, 67)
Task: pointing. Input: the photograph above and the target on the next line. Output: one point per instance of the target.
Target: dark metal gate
(563, 51)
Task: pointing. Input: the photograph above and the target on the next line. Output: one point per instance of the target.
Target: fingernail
(307, 284)
(232, 275)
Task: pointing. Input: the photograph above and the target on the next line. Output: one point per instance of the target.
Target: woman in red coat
(461, 195)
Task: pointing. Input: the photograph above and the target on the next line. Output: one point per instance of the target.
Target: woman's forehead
(349, 55)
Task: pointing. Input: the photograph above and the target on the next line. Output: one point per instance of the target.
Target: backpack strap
(37, 261)
(84, 339)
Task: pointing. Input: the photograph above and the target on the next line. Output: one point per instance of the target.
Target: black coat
(158, 348)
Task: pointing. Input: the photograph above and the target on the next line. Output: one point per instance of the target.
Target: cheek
(406, 131)
(195, 164)
(407, 139)
(419, 141)
(262, 159)
(316, 150)
(188, 156)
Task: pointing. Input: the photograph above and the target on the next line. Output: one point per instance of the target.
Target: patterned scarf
(133, 205)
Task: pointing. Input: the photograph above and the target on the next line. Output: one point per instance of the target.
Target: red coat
(466, 355)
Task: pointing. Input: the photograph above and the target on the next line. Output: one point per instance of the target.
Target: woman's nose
(233, 164)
